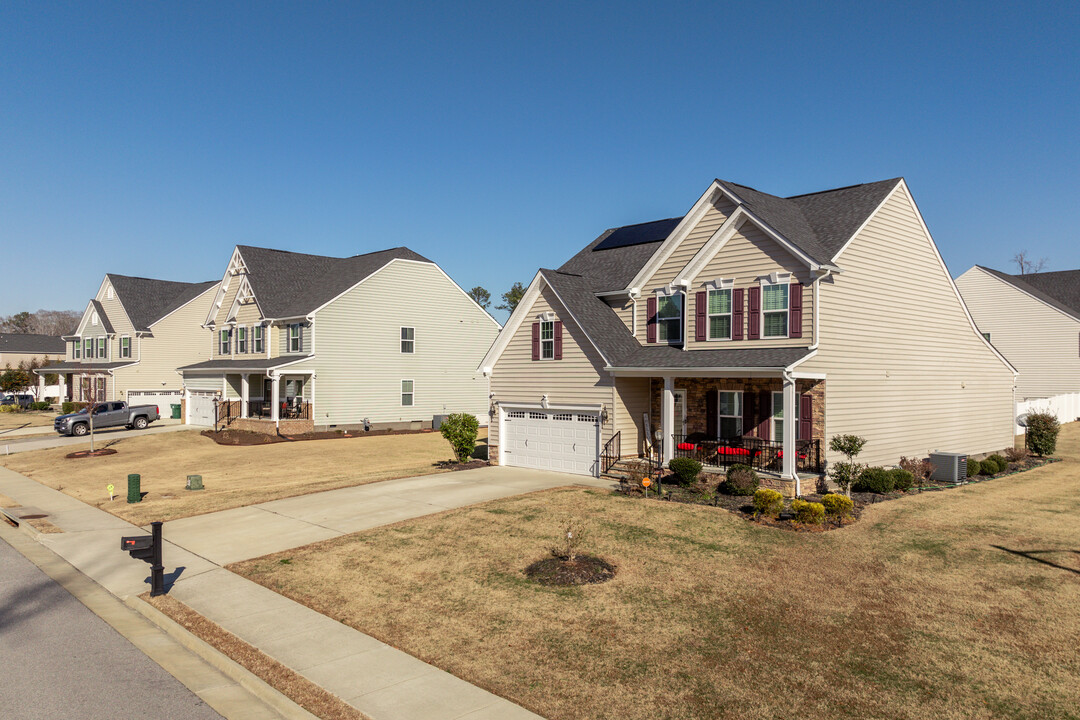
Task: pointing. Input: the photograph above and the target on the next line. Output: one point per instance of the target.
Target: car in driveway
(106, 415)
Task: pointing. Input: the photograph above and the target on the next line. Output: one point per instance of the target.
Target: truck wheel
(80, 430)
(140, 423)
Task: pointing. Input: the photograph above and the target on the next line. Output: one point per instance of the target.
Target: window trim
(771, 281)
(549, 342)
(125, 353)
(720, 285)
(299, 338)
(410, 340)
(411, 393)
(257, 339)
(88, 348)
(241, 339)
(76, 350)
(670, 292)
(225, 341)
(102, 350)
(738, 416)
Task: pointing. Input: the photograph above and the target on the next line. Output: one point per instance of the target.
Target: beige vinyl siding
(906, 369)
(358, 354)
(577, 379)
(178, 339)
(283, 338)
(211, 383)
(223, 312)
(1040, 341)
(115, 311)
(631, 402)
(624, 308)
(749, 255)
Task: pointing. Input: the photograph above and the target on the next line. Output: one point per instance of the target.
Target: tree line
(42, 322)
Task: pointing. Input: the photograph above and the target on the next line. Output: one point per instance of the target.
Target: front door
(680, 413)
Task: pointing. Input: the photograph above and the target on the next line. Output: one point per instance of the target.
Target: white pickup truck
(106, 415)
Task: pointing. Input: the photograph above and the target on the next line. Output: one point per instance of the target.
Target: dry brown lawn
(956, 604)
(27, 418)
(234, 476)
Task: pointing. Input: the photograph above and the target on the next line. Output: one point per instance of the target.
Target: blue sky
(496, 138)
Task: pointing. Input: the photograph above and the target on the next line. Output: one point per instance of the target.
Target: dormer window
(669, 309)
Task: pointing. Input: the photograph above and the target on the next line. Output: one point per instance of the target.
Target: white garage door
(162, 398)
(551, 440)
(201, 408)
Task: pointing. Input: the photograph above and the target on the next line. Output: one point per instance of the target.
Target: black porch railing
(611, 453)
(765, 455)
(229, 411)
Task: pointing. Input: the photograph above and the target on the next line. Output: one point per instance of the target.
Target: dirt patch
(42, 525)
(294, 686)
(455, 465)
(90, 453)
(245, 437)
(582, 570)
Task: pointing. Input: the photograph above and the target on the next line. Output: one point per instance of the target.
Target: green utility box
(194, 482)
(134, 488)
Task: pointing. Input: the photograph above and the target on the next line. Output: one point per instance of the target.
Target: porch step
(622, 469)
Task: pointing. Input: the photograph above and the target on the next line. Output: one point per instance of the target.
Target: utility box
(949, 467)
(194, 482)
(437, 421)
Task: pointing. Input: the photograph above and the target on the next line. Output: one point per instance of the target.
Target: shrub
(844, 473)
(989, 466)
(70, 407)
(570, 539)
(837, 506)
(902, 479)
(1042, 432)
(875, 480)
(768, 502)
(740, 480)
(811, 513)
(460, 430)
(974, 467)
(1017, 454)
(1001, 461)
(9, 408)
(920, 468)
(42, 406)
(686, 470)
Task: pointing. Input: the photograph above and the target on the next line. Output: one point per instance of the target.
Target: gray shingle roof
(245, 363)
(102, 316)
(80, 366)
(289, 284)
(1060, 289)
(621, 349)
(147, 300)
(611, 269)
(30, 343)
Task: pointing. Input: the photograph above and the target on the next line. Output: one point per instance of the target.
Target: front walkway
(379, 680)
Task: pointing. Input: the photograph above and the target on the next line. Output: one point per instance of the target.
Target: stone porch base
(267, 427)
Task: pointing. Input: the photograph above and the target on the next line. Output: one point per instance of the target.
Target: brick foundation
(493, 454)
(183, 410)
(267, 427)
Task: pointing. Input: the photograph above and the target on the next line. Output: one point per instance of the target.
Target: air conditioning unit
(949, 467)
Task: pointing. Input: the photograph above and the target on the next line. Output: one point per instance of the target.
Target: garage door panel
(560, 441)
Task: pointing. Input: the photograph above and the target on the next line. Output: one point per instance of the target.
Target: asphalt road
(59, 660)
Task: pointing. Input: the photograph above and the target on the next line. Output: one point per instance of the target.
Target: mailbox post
(148, 548)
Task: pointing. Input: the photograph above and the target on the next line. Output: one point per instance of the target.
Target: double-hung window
(125, 347)
(547, 340)
(406, 393)
(76, 350)
(719, 311)
(408, 340)
(241, 340)
(101, 347)
(257, 339)
(778, 416)
(730, 412)
(224, 341)
(774, 310)
(669, 318)
(88, 348)
(296, 341)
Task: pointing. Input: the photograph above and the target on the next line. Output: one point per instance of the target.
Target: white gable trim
(236, 263)
(244, 292)
(101, 293)
(872, 215)
(512, 324)
(85, 317)
(712, 246)
(1023, 292)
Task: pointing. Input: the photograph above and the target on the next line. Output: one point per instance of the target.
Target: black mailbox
(140, 547)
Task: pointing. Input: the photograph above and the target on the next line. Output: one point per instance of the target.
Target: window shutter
(754, 331)
(747, 413)
(650, 320)
(536, 341)
(764, 411)
(712, 407)
(806, 416)
(737, 315)
(558, 340)
(701, 320)
(795, 329)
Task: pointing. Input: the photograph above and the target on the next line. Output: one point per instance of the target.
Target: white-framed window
(778, 416)
(109, 292)
(406, 393)
(719, 313)
(296, 338)
(547, 339)
(88, 348)
(669, 317)
(257, 339)
(241, 340)
(225, 341)
(775, 298)
(76, 349)
(125, 346)
(94, 319)
(729, 410)
(99, 387)
(102, 347)
(408, 340)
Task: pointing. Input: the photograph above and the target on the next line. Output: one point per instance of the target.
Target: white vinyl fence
(1065, 407)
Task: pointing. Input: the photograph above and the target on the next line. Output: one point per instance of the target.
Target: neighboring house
(1034, 320)
(305, 341)
(16, 348)
(706, 333)
(132, 336)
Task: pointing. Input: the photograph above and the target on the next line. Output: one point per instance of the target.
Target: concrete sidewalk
(26, 439)
(377, 679)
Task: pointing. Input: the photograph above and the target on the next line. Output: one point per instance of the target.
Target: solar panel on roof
(639, 234)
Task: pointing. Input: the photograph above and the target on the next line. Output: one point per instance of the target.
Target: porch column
(62, 387)
(41, 387)
(667, 420)
(790, 455)
(275, 398)
(245, 393)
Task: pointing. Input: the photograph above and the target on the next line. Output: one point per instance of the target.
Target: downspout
(817, 308)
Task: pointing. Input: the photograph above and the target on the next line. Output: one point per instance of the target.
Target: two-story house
(132, 336)
(750, 329)
(302, 342)
(1034, 320)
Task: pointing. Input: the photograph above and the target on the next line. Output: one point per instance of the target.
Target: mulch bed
(88, 453)
(244, 437)
(582, 570)
(455, 465)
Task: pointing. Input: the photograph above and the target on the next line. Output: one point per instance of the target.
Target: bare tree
(1026, 265)
(93, 397)
(42, 322)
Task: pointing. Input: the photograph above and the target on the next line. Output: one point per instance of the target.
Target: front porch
(256, 403)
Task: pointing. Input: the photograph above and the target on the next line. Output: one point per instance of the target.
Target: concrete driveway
(248, 532)
(10, 444)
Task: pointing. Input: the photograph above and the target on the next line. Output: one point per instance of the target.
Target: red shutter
(795, 330)
(558, 340)
(747, 412)
(754, 331)
(536, 341)
(700, 318)
(764, 412)
(806, 416)
(650, 320)
(737, 315)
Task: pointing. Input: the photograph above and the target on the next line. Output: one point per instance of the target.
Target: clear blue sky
(495, 138)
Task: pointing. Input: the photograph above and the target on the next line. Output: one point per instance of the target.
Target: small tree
(844, 473)
(93, 397)
(15, 380)
(1026, 265)
(460, 430)
(1041, 432)
(481, 296)
(512, 297)
(572, 537)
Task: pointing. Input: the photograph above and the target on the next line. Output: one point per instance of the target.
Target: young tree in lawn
(93, 396)
(844, 473)
(512, 297)
(481, 296)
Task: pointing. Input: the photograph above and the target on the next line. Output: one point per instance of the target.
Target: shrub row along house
(752, 328)
(288, 341)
